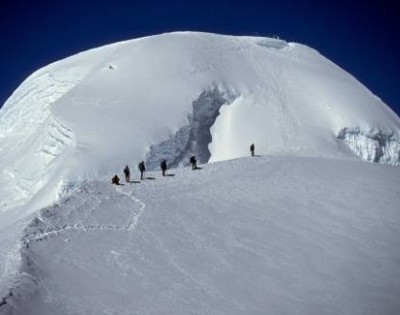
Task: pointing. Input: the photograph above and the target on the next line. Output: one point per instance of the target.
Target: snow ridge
(207, 95)
(87, 116)
(286, 235)
(32, 101)
(85, 208)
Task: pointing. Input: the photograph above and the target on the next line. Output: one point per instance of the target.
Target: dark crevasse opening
(194, 138)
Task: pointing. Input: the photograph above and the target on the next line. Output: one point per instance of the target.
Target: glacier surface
(305, 227)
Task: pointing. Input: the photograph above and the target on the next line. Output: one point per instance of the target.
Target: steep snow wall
(194, 138)
(173, 95)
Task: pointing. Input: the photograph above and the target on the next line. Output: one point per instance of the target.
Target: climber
(193, 161)
(252, 148)
(115, 180)
(127, 173)
(163, 166)
(142, 169)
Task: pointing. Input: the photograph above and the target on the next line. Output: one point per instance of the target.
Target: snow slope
(263, 235)
(178, 94)
(73, 124)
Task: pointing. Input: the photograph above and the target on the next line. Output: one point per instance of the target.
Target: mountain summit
(180, 94)
(306, 226)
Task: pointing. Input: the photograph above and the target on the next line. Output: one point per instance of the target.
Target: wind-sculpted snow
(271, 43)
(372, 145)
(33, 163)
(171, 96)
(33, 139)
(250, 236)
(30, 105)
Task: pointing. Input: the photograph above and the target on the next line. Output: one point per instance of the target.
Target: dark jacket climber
(252, 148)
(127, 173)
(115, 180)
(193, 161)
(163, 166)
(142, 169)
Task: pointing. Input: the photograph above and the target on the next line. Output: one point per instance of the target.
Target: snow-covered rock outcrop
(174, 95)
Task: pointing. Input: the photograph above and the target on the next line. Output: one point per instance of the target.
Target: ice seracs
(372, 145)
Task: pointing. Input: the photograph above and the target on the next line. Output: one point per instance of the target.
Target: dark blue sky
(359, 36)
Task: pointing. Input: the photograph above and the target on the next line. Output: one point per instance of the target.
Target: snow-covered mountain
(73, 124)
(178, 94)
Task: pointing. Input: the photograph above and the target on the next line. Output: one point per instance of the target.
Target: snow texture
(372, 145)
(279, 235)
(305, 227)
(174, 95)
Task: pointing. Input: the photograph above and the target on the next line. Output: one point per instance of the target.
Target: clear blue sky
(359, 36)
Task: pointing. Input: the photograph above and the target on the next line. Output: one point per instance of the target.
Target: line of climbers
(163, 165)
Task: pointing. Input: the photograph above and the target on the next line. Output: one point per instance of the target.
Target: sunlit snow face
(86, 116)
